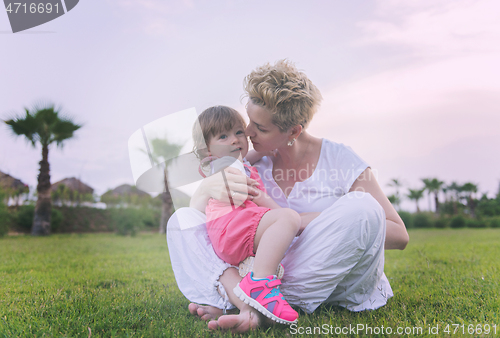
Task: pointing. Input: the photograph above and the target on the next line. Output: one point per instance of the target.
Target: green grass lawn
(63, 285)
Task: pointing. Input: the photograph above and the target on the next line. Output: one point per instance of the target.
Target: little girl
(258, 227)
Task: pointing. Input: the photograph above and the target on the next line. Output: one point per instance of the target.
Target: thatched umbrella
(125, 194)
(9, 182)
(126, 189)
(71, 189)
(73, 183)
(13, 186)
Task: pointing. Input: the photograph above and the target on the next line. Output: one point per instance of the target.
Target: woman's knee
(361, 203)
(349, 211)
(364, 214)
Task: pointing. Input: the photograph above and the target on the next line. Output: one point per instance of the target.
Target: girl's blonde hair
(287, 92)
(213, 121)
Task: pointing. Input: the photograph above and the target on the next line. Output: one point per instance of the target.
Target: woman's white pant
(338, 258)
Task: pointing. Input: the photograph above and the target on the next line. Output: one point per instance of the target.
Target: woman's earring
(290, 143)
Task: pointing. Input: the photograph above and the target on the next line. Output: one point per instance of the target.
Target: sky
(411, 86)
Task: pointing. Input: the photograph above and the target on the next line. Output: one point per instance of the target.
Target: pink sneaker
(264, 295)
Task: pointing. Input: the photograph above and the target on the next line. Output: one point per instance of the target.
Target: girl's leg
(275, 233)
(260, 289)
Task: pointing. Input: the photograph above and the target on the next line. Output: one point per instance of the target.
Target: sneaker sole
(255, 304)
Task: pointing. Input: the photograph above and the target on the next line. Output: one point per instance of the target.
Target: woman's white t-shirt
(337, 169)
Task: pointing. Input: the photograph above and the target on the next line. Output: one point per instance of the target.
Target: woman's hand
(227, 186)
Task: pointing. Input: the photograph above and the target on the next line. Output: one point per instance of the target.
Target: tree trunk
(418, 209)
(167, 206)
(472, 206)
(436, 200)
(43, 208)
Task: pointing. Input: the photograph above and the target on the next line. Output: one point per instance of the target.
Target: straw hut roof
(75, 184)
(9, 182)
(125, 189)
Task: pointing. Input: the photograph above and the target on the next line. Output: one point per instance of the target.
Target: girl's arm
(220, 187)
(396, 234)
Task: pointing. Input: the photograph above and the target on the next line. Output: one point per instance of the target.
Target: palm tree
(445, 189)
(416, 195)
(456, 189)
(426, 182)
(396, 184)
(469, 189)
(161, 151)
(433, 186)
(43, 124)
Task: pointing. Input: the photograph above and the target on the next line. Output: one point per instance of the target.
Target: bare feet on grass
(246, 320)
(205, 312)
(242, 322)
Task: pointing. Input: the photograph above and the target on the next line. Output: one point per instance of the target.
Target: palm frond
(43, 124)
(25, 126)
(63, 130)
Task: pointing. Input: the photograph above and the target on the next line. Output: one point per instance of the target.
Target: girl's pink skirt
(232, 232)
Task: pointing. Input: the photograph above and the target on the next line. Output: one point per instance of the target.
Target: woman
(346, 218)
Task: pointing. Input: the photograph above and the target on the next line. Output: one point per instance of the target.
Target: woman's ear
(296, 131)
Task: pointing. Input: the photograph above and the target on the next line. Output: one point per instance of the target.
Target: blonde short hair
(213, 121)
(287, 92)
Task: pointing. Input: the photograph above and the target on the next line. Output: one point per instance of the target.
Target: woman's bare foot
(242, 322)
(205, 312)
